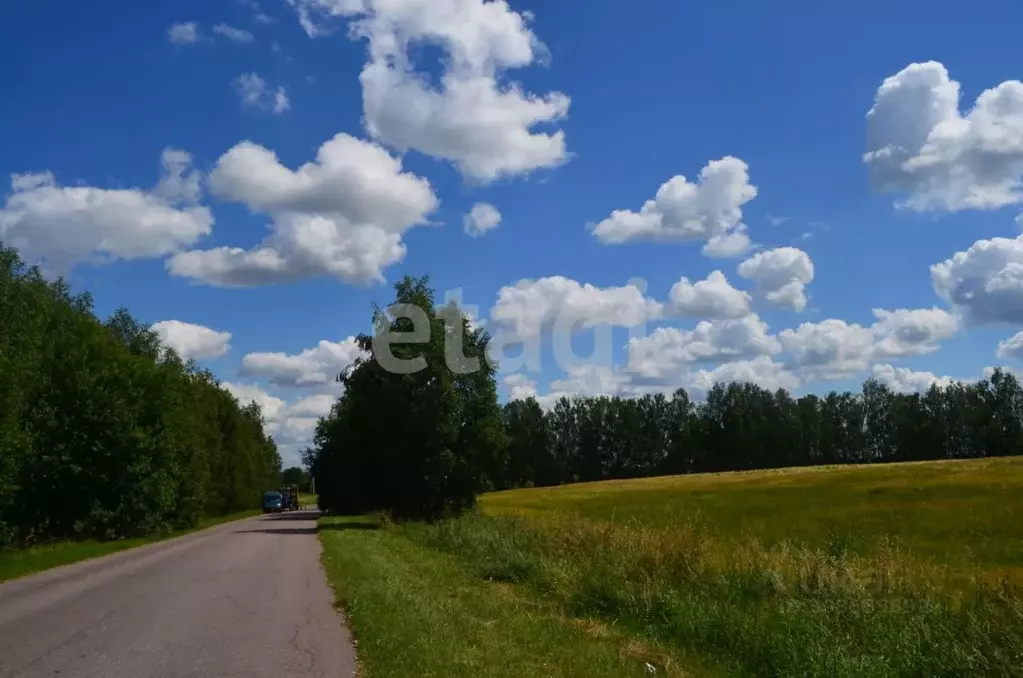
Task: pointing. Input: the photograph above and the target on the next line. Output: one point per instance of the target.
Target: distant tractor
(289, 494)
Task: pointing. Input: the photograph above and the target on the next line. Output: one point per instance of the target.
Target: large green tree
(418, 431)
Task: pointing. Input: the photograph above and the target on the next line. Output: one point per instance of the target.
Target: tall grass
(753, 609)
(419, 613)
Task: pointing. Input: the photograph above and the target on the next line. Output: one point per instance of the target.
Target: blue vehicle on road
(273, 502)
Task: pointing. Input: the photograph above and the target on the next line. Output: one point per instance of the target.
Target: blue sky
(619, 102)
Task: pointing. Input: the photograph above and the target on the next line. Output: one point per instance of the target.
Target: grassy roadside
(19, 563)
(416, 611)
(902, 570)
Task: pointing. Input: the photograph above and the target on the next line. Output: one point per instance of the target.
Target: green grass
(893, 570)
(418, 612)
(18, 563)
(747, 609)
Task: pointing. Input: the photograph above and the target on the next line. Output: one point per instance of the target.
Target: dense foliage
(295, 475)
(420, 444)
(741, 426)
(104, 433)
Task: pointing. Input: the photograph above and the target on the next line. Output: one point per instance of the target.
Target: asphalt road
(247, 598)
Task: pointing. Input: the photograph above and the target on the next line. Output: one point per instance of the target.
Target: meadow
(888, 570)
(965, 515)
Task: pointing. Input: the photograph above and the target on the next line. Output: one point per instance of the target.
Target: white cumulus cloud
(274, 409)
(781, 276)
(193, 342)
(530, 306)
(471, 117)
(905, 332)
(836, 349)
(255, 93)
(905, 380)
(1011, 347)
(830, 349)
(480, 219)
(63, 225)
(711, 298)
(519, 386)
(708, 209)
(186, 33)
(587, 379)
(582, 379)
(281, 101)
(667, 351)
(922, 147)
(316, 405)
(985, 282)
(762, 371)
(729, 246)
(342, 215)
(318, 366)
(291, 425)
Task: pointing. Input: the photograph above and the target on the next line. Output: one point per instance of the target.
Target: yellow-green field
(889, 570)
(966, 515)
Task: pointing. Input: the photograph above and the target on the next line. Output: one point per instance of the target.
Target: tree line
(741, 426)
(104, 432)
(422, 445)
